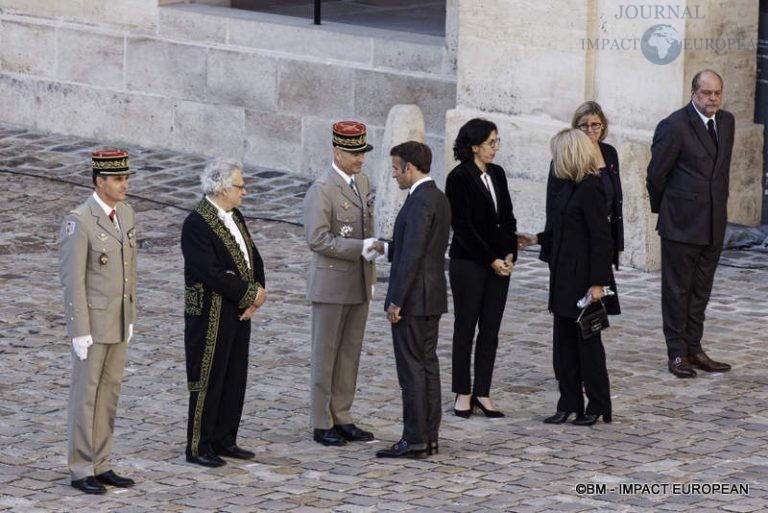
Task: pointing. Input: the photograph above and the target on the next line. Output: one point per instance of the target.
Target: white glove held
(81, 345)
(130, 334)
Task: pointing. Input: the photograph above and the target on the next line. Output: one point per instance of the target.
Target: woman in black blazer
(590, 119)
(580, 251)
(483, 252)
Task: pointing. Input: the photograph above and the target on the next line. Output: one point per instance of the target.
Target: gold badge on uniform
(102, 236)
(131, 233)
(345, 205)
(103, 258)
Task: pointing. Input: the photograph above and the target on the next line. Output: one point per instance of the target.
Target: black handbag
(593, 319)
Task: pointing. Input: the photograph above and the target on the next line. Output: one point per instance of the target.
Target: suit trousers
(687, 274)
(581, 361)
(337, 338)
(93, 397)
(418, 372)
(215, 412)
(479, 298)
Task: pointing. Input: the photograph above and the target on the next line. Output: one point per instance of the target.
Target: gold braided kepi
(110, 162)
(350, 136)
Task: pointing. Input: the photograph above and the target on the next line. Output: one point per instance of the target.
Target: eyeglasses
(586, 127)
(496, 143)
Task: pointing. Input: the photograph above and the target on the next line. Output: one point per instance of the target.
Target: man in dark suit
(688, 187)
(224, 278)
(417, 297)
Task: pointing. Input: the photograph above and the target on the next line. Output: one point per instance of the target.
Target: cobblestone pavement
(710, 430)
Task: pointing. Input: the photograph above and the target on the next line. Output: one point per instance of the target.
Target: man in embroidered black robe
(224, 279)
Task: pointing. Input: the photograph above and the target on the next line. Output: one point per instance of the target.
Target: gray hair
(217, 175)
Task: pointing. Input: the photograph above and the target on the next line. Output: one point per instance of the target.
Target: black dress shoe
(403, 449)
(680, 367)
(352, 433)
(590, 419)
(464, 414)
(112, 479)
(559, 417)
(705, 363)
(328, 437)
(236, 452)
(90, 485)
(207, 460)
(493, 414)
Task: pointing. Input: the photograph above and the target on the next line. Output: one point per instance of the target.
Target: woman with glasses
(483, 252)
(590, 119)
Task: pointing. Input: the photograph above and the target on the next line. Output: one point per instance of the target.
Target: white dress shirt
(226, 218)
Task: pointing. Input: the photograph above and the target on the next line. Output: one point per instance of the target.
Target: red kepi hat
(350, 136)
(110, 162)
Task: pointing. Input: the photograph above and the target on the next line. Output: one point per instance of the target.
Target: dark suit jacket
(479, 232)
(417, 252)
(611, 178)
(688, 177)
(580, 247)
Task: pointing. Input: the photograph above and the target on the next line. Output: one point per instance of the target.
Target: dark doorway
(415, 16)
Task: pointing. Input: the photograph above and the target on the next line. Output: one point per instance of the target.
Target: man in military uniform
(338, 221)
(98, 271)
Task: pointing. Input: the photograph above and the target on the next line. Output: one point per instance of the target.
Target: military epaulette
(76, 212)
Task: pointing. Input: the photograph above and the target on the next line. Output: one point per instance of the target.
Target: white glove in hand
(81, 345)
(130, 334)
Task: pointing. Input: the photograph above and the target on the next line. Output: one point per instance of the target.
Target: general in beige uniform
(98, 273)
(338, 220)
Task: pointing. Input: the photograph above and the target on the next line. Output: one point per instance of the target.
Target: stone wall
(527, 65)
(213, 80)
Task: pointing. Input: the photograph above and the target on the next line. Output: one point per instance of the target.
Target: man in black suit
(688, 187)
(224, 278)
(417, 297)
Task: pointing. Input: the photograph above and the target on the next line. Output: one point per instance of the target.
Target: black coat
(611, 178)
(479, 232)
(417, 252)
(580, 246)
(218, 283)
(688, 177)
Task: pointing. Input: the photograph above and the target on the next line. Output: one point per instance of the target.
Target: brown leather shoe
(680, 367)
(705, 363)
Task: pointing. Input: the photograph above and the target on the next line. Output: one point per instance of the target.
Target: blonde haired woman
(579, 243)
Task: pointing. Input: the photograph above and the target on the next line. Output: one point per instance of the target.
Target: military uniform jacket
(335, 222)
(98, 272)
(218, 285)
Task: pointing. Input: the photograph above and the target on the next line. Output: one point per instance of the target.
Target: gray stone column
(404, 123)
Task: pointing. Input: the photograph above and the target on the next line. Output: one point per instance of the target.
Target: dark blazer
(417, 252)
(688, 177)
(611, 178)
(479, 232)
(580, 247)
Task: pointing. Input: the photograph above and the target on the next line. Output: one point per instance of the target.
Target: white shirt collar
(419, 182)
(222, 213)
(107, 209)
(704, 118)
(344, 175)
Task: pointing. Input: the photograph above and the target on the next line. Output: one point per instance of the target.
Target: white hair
(217, 175)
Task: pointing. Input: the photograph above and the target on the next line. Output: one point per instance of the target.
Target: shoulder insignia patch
(69, 228)
(74, 212)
